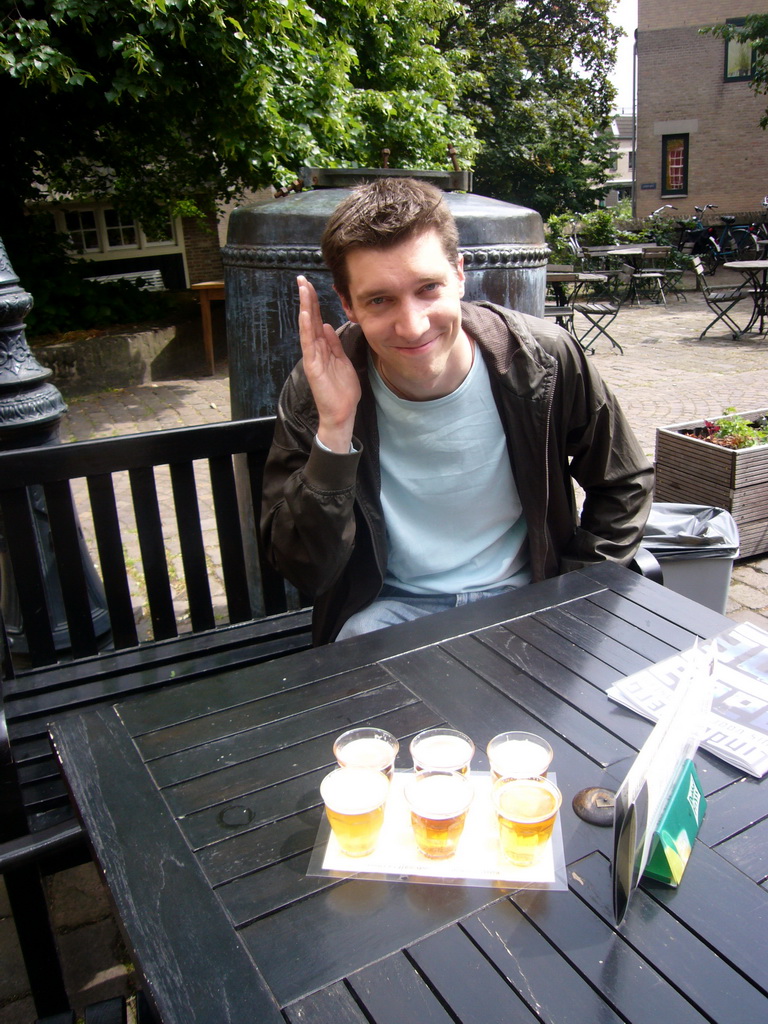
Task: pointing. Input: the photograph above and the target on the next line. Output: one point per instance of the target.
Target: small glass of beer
(520, 754)
(367, 747)
(526, 810)
(442, 750)
(354, 801)
(439, 802)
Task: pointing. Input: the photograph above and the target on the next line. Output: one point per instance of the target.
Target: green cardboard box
(672, 841)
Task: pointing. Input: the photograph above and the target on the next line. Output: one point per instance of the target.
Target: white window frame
(111, 252)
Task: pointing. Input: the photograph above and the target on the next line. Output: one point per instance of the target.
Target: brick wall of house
(201, 245)
(681, 89)
(203, 241)
(658, 14)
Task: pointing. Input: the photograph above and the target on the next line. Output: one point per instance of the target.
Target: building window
(739, 57)
(631, 159)
(82, 229)
(674, 165)
(102, 231)
(121, 232)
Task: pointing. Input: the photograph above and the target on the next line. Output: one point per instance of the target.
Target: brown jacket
(322, 522)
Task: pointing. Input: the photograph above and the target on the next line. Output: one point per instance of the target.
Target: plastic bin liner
(690, 531)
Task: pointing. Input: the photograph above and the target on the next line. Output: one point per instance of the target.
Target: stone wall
(124, 358)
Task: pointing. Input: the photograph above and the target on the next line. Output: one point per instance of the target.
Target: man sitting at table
(424, 452)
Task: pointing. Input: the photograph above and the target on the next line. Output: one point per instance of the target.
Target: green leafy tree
(540, 98)
(754, 33)
(180, 104)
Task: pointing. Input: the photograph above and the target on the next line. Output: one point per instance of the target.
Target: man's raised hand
(330, 374)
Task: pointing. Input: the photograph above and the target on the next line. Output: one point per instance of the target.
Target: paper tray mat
(477, 861)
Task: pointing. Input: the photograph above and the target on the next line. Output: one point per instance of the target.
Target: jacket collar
(504, 336)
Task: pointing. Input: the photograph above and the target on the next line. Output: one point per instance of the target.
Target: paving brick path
(665, 376)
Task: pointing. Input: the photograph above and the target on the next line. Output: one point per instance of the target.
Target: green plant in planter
(733, 431)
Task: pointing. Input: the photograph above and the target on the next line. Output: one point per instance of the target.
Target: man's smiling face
(407, 301)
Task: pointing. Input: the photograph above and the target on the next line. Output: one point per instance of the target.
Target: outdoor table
(755, 273)
(202, 805)
(558, 278)
(635, 257)
(209, 291)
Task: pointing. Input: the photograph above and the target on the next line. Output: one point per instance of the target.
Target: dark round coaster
(595, 805)
(235, 816)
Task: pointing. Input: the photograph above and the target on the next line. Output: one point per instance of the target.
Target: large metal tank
(268, 244)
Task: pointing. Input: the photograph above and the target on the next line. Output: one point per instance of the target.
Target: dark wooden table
(202, 805)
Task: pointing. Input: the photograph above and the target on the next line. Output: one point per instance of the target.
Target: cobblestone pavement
(665, 376)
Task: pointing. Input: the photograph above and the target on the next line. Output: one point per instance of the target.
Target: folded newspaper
(737, 726)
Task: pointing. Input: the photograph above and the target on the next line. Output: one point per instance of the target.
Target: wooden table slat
(222, 785)
(269, 728)
(692, 966)
(334, 1003)
(392, 991)
(490, 1000)
(150, 863)
(524, 956)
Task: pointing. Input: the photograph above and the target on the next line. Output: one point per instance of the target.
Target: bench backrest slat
(153, 552)
(127, 532)
(230, 538)
(65, 534)
(21, 537)
(109, 543)
(192, 545)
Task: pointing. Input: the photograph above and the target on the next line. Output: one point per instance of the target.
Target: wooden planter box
(690, 471)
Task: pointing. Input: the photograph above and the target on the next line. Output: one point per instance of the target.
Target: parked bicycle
(734, 242)
(694, 234)
(729, 242)
(661, 229)
(760, 228)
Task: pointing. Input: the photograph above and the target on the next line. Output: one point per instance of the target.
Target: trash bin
(696, 546)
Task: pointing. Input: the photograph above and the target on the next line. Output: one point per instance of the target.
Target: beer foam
(369, 752)
(442, 752)
(520, 757)
(439, 796)
(354, 790)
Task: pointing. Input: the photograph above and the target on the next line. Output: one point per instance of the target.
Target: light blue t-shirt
(454, 519)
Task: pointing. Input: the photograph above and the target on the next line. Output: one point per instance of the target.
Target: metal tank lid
(298, 219)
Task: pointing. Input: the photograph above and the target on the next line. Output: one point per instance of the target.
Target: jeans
(393, 606)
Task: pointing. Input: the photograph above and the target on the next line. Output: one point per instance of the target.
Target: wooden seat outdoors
(721, 300)
(130, 505)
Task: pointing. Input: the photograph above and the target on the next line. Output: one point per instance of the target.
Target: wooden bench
(147, 280)
(70, 639)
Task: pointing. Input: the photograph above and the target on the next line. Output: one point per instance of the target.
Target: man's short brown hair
(381, 214)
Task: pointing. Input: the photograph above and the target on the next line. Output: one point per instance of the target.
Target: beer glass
(442, 750)
(439, 802)
(367, 747)
(526, 810)
(520, 754)
(354, 801)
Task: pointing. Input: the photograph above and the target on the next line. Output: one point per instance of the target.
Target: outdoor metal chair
(562, 315)
(560, 309)
(600, 312)
(720, 300)
(651, 281)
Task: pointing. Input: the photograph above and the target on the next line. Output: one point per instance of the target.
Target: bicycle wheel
(711, 260)
(745, 245)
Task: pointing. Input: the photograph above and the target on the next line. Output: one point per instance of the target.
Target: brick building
(699, 138)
